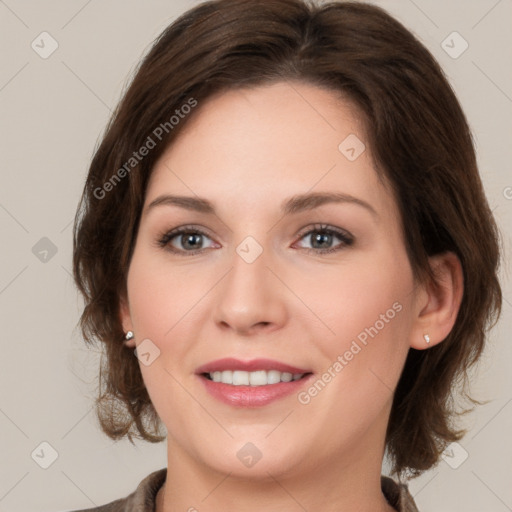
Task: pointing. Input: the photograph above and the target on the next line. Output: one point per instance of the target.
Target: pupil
(188, 238)
(324, 236)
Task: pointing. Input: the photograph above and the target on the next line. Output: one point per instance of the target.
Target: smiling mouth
(254, 379)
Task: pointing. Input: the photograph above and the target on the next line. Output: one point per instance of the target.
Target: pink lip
(230, 363)
(250, 396)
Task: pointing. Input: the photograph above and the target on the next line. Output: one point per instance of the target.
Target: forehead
(255, 146)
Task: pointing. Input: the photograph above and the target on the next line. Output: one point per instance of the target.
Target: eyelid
(324, 227)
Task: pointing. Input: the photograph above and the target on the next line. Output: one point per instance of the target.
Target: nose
(250, 299)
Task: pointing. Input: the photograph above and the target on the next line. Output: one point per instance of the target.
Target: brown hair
(421, 144)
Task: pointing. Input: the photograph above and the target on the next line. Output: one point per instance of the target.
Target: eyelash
(344, 236)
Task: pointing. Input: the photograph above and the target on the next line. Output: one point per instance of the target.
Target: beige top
(144, 497)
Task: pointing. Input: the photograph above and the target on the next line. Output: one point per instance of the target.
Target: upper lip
(230, 363)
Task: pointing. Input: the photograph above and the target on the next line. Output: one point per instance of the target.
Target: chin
(256, 460)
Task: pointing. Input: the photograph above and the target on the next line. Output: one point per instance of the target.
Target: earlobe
(129, 339)
(438, 312)
(126, 322)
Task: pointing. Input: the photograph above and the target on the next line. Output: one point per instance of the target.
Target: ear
(438, 303)
(126, 321)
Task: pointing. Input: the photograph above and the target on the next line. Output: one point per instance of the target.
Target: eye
(185, 239)
(189, 240)
(321, 238)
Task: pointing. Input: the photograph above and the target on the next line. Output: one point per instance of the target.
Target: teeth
(240, 378)
(258, 378)
(273, 377)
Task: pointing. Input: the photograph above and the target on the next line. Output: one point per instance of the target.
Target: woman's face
(271, 267)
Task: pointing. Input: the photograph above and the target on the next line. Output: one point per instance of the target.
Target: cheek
(369, 312)
(159, 297)
(162, 307)
(364, 359)
(159, 301)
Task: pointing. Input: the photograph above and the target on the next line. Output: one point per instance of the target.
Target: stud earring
(427, 338)
(129, 335)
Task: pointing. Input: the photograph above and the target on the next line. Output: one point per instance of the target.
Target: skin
(247, 151)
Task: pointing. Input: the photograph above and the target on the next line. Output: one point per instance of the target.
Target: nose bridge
(248, 298)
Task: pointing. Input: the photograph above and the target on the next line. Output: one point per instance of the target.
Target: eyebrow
(293, 205)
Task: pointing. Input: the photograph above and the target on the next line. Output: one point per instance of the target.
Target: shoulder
(140, 500)
(398, 495)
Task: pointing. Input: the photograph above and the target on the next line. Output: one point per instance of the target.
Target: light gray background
(53, 111)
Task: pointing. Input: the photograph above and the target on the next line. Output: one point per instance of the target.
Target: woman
(285, 220)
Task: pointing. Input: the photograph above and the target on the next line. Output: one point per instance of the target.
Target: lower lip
(252, 396)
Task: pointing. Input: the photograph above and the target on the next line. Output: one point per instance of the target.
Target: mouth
(252, 383)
